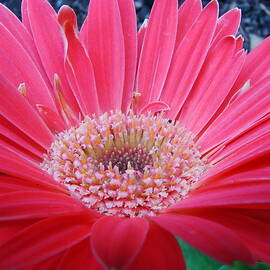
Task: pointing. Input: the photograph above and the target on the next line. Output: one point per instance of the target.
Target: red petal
(238, 116)
(249, 195)
(188, 59)
(14, 184)
(78, 66)
(155, 107)
(256, 66)
(24, 116)
(12, 164)
(211, 238)
(37, 204)
(43, 240)
(79, 257)
(227, 24)
(160, 251)
(9, 229)
(43, 17)
(52, 119)
(128, 19)
(124, 239)
(19, 31)
(25, 70)
(157, 51)
(197, 110)
(107, 52)
(17, 138)
(254, 233)
(188, 13)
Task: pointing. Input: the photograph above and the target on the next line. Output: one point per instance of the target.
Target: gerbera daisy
(113, 142)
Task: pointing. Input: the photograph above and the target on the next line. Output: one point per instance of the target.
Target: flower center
(126, 165)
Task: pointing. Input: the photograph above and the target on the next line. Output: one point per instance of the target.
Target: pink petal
(38, 204)
(52, 119)
(227, 24)
(25, 70)
(226, 174)
(124, 239)
(204, 99)
(246, 195)
(238, 116)
(9, 229)
(50, 263)
(188, 13)
(24, 117)
(160, 251)
(107, 52)
(188, 60)
(256, 66)
(128, 19)
(43, 240)
(155, 107)
(25, 17)
(254, 233)
(78, 66)
(140, 38)
(43, 17)
(157, 50)
(19, 32)
(12, 164)
(79, 257)
(16, 137)
(206, 236)
(248, 153)
(14, 184)
(260, 128)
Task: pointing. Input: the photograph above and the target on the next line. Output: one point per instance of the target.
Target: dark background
(255, 14)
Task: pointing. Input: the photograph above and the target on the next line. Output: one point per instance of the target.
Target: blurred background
(255, 24)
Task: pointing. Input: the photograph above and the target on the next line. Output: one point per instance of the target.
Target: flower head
(113, 141)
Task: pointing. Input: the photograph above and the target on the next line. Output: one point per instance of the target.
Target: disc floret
(125, 164)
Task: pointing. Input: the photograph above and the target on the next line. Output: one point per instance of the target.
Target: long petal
(20, 33)
(128, 19)
(254, 233)
(107, 52)
(78, 66)
(157, 51)
(43, 240)
(197, 110)
(227, 24)
(256, 66)
(238, 116)
(206, 236)
(188, 59)
(79, 257)
(124, 240)
(188, 13)
(17, 110)
(43, 17)
(18, 138)
(39, 204)
(12, 164)
(25, 70)
(160, 251)
(15, 184)
(245, 195)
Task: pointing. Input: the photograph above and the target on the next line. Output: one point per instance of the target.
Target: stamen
(126, 165)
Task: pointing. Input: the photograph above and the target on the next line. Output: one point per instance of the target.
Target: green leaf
(241, 266)
(196, 260)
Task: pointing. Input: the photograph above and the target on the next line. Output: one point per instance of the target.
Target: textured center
(126, 165)
(127, 158)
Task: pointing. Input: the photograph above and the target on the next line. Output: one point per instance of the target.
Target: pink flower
(114, 142)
